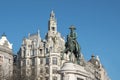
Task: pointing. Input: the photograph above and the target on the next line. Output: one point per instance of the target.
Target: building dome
(5, 42)
(95, 61)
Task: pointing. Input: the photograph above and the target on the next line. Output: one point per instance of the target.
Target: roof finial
(38, 32)
(28, 35)
(4, 34)
(52, 14)
(92, 56)
(97, 57)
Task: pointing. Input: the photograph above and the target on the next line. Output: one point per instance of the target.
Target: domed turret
(5, 42)
(95, 61)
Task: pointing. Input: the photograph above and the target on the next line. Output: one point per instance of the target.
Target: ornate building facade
(41, 59)
(6, 59)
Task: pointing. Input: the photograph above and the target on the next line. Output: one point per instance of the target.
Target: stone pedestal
(71, 71)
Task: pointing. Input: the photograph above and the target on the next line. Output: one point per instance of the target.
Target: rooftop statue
(72, 47)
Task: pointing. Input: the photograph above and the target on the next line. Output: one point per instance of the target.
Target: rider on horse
(72, 44)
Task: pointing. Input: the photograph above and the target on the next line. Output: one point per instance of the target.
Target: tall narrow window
(47, 61)
(24, 62)
(27, 62)
(33, 61)
(32, 52)
(54, 70)
(54, 60)
(46, 50)
(24, 52)
(47, 70)
(35, 52)
(41, 60)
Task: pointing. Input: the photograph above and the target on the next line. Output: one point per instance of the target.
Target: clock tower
(52, 24)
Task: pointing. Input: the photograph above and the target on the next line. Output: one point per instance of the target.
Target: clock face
(53, 24)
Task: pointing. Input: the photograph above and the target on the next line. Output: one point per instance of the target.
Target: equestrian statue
(72, 47)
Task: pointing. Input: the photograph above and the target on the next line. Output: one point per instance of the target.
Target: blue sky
(97, 23)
